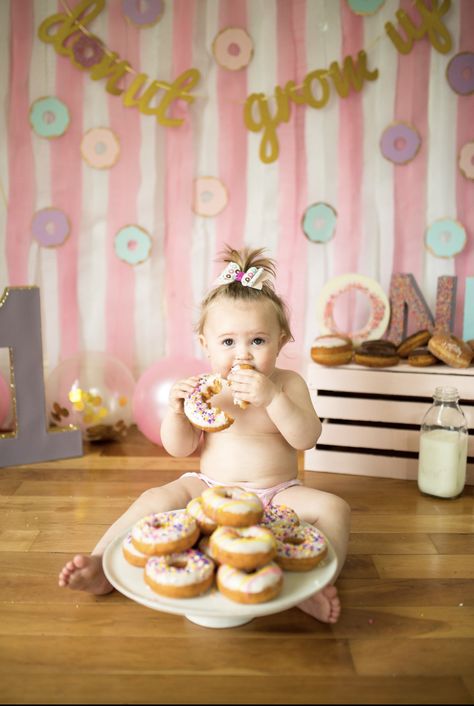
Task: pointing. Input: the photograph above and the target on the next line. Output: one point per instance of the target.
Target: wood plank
(363, 592)
(453, 544)
(369, 522)
(395, 543)
(422, 567)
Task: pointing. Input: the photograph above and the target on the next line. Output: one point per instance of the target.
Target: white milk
(442, 463)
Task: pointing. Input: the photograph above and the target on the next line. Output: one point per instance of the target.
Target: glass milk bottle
(443, 446)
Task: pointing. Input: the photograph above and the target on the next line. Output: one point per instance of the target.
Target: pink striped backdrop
(389, 216)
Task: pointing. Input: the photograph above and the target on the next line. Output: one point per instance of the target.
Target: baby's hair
(246, 258)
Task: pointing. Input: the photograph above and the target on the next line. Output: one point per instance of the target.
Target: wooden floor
(406, 634)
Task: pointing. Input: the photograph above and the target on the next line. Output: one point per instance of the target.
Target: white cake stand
(213, 610)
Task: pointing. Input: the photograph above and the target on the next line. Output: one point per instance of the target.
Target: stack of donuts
(223, 537)
(420, 349)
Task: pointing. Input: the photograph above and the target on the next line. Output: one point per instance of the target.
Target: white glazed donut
(198, 409)
(299, 548)
(231, 506)
(165, 532)
(241, 366)
(133, 555)
(205, 524)
(243, 547)
(180, 575)
(250, 587)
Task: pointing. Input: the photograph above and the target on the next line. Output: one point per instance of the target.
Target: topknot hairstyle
(246, 258)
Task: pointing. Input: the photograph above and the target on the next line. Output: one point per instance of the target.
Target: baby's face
(248, 332)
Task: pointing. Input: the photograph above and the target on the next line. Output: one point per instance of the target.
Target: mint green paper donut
(49, 117)
(132, 244)
(445, 238)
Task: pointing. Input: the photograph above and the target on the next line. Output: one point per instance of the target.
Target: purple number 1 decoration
(20, 331)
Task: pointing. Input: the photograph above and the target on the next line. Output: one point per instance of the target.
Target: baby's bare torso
(251, 450)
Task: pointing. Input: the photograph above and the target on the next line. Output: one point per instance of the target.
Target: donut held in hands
(257, 586)
(180, 575)
(245, 548)
(232, 506)
(199, 410)
(236, 367)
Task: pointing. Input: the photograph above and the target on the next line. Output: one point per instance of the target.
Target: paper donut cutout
(460, 73)
(132, 245)
(319, 222)
(379, 304)
(365, 7)
(210, 196)
(49, 117)
(445, 238)
(86, 52)
(466, 160)
(233, 48)
(50, 227)
(146, 16)
(100, 148)
(400, 143)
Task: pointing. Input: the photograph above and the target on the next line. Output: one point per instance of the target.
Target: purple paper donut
(460, 73)
(86, 52)
(400, 143)
(151, 14)
(50, 227)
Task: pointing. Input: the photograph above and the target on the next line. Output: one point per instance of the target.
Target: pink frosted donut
(210, 196)
(100, 148)
(86, 52)
(466, 160)
(233, 48)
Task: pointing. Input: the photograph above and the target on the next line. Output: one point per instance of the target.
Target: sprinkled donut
(277, 514)
(232, 48)
(165, 532)
(400, 143)
(243, 547)
(205, 524)
(132, 554)
(198, 409)
(231, 506)
(250, 587)
(299, 548)
(181, 574)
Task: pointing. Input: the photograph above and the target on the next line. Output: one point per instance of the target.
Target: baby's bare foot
(85, 573)
(324, 605)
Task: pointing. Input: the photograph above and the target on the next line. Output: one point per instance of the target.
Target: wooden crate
(371, 417)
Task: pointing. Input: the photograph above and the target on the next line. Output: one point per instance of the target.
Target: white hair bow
(254, 277)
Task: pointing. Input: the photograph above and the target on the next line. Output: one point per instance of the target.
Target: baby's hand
(179, 391)
(252, 386)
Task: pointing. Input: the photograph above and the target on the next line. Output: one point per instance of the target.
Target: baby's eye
(227, 342)
(258, 341)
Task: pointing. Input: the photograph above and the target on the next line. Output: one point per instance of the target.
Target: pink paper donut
(143, 15)
(400, 143)
(100, 148)
(50, 227)
(460, 73)
(210, 196)
(466, 160)
(233, 48)
(86, 52)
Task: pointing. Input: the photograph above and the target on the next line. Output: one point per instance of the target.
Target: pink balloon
(5, 400)
(150, 398)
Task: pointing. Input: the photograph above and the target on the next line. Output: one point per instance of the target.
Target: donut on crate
(180, 575)
(165, 532)
(198, 409)
(232, 506)
(416, 340)
(299, 548)
(451, 350)
(257, 586)
(376, 354)
(421, 358)
(245, 548)
(332, 349)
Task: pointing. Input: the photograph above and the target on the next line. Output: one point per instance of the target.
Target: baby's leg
(85, 573)
(331, 515)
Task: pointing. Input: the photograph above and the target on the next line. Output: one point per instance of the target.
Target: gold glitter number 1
(20, 331)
